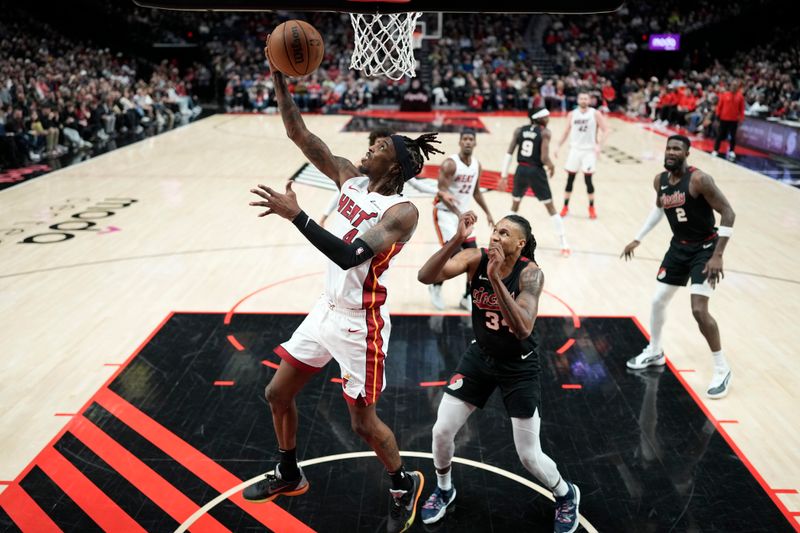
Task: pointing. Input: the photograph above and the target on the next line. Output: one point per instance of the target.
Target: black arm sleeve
(343, 254)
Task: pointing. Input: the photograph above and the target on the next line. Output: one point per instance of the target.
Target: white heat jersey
(363, 286)
(583, 131)
(464, 183)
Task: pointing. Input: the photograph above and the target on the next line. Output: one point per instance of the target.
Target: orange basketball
(295, 48)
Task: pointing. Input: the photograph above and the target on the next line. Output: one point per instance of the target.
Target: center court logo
(79, 222)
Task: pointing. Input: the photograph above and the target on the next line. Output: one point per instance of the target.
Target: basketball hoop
(383, 44)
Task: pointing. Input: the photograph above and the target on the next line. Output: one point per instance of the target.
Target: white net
(384, 44)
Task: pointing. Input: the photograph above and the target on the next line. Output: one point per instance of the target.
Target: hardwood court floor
(72, 310)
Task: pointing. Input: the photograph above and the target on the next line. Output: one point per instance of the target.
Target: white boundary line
(357, 455)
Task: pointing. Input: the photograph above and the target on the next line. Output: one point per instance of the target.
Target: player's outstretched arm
(336, 168)
(443, 265)
(344, 254)
(652, 221)
(520, 313)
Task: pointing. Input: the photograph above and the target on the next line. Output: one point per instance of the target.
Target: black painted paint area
(640, 449)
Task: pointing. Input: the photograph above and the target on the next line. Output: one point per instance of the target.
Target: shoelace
(563, 511)
(434, 503)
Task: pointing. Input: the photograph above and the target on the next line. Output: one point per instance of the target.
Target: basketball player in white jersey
(458, 185)
(586, 129)
(350, 322)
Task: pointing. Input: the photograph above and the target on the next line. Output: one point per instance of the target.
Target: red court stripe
(567, 345)
(784, 491)
(85, 494)
(684, 370)
(571, 386)
(337, 380)
(269, 364)
(432, 383)
(224, 383)
(112, 364)
(65, 414)
(111, 378)
(728, 421)
(269, 514)
(236, 344)
(5, 482)
(26, 513)
(232, 310)
(739, 453)
(141, 476)
(576, 321)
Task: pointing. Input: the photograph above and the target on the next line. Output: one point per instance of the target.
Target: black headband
(403, 157)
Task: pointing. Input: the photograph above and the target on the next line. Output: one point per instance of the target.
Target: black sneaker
(567, 510)
(266, 490)
(403, 507)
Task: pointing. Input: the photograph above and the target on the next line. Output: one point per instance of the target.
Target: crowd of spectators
(58, 96)
(768, 79)
(483, 62)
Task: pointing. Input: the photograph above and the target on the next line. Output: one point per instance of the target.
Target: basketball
(295, 48)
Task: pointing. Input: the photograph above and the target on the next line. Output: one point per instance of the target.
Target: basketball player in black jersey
(506, 284)
(688, 197)
(533, 156)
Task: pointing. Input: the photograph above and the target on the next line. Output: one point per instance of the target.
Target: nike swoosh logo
(351, 188)
(483, 278)
(526, 355)
(664, 187)
(705, 246)
(353, 330)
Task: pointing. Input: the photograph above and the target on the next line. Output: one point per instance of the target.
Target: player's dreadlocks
(412, 154)
(530, 241)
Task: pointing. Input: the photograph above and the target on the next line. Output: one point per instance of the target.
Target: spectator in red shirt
(730, 112)
(668, 104)
(687, 102)
(609, 96)
(475, 101)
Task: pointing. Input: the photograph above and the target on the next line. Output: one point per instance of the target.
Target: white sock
(561, 488)
(558, 224)
(720, 363)
(444, 480)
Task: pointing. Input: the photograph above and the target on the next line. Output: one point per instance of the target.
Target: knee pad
(570, 181)
(589, 185)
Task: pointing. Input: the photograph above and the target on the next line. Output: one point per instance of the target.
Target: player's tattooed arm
(520, 313)
(396, 226)
(339, 169)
